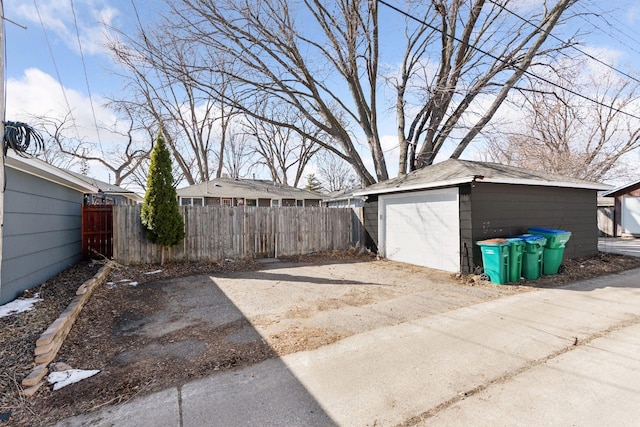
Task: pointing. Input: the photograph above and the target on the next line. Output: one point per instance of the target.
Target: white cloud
(37, 94)
(57, 18)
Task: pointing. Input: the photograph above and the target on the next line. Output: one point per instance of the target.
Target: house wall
(370, 214)
(633, 191)
(502, 210)
(107, 199)
(41, 233)
(345, 203)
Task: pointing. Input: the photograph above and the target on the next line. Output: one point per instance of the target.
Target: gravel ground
(109, 332)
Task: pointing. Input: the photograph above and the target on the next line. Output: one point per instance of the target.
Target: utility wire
(55, 66)
(588, 55)
(613, 27)
(86, 78)
(527, 72)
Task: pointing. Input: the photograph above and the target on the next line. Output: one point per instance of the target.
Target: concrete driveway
(618, 245)
(547, 357)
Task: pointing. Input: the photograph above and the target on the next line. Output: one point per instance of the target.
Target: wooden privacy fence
(218, 232)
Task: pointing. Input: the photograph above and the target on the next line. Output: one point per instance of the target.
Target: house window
(251, 202)
(300, 203)
(191, 201)
(275, 203)
(226, 202)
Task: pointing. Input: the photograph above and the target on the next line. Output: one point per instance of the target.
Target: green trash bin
(552, 259)
(533, 256)
(495, 259)
(554, 249)
(516, 250)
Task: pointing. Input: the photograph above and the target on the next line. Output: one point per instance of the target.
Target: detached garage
(626, 210)
(433, 217)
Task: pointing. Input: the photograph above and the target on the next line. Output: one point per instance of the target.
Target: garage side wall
(501, 210)
(466, 230)
(41, 232)
(370, 214)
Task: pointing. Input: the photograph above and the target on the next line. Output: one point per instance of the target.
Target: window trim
(190, 199)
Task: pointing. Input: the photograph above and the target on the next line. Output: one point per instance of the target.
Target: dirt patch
(301, 338)
(153, 335)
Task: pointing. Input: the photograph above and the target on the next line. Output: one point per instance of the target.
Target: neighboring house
(606, 212)
(42, 216)
(343, 199)
(626, 221)
(108, 194)
(434, 216)
(346, 199)
(248, 192)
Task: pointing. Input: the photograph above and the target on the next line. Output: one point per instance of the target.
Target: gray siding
(466, 230)
(501, 210)
(41, 233)
(370, 215)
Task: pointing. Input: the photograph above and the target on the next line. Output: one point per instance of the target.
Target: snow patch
(64, 378)
(153, 272)
(18, 306)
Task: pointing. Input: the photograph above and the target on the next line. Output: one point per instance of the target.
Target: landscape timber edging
(51, 340)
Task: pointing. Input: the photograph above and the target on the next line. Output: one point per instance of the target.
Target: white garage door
(631, 215)
(421, 228)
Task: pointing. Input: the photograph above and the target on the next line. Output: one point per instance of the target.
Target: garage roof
(622, 189)
(107, 188)
(454, 172)
(33, 166)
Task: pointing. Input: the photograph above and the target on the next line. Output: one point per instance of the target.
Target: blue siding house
(42, 223)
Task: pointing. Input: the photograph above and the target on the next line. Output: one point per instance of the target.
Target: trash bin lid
(492, 242)
(515, 240)
(546, 230)
(534, 238)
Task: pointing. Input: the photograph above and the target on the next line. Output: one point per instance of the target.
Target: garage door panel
(423, 229)
(631, 215)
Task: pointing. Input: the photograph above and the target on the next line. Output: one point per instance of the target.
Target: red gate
(97, 230)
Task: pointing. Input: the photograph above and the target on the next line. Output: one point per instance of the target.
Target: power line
(86, 77)
(513, 65)
(588, 55)
(613, 27)
(55, 67)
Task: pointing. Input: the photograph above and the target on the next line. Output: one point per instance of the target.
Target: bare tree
(54, 131)
(281, 149)
(322, 59)
(238, 156)
(566, 134)
(194, 123)
(335, 173)
(69, 151)
(484, 52)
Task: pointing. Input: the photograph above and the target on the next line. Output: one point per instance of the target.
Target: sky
(46, 73)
